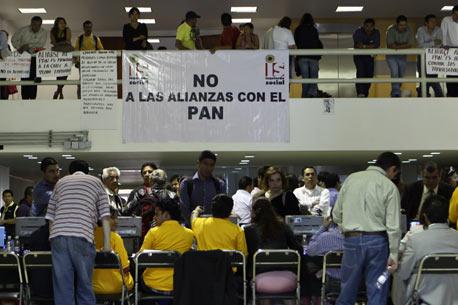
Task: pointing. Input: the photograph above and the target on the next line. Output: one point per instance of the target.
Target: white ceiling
(109, 15)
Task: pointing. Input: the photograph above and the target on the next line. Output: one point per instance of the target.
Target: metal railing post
(424, 89)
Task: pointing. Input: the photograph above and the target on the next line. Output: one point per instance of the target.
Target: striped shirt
(77, 203)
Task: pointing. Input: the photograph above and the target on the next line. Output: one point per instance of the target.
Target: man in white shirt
(450, 39)
(31, 39)
(243, 200)
(311, 197)
(282, 36)
(110, 179)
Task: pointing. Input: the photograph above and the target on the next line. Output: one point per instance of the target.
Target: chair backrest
(10, 270)
(331, 259)
(36, 260)
(107, 260)
(156, 259)
(278, 258)
(441, 263)
(238, 259)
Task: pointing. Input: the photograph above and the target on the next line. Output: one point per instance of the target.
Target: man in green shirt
(398, 37)
(368, 211)
(187, 37)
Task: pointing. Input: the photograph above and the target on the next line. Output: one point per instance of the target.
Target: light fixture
(147, 21)
(241, 20)
(447, 8)
(154, 40)
(65, 156)
(347, 9)
(141, 9)
(70, 158)
(249, 157)
(245, 161)
(48, 21)
(28, 156)
(244, 9)
(38, 10)
(398, 153)
(427, 156)
(435, 153)
(238, 168)
(371, 162)
(39, 162)
(33, 158)
(413, 160)
(130, 170)
(406, 161)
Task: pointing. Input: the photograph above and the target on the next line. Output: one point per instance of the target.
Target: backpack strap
(95, 41)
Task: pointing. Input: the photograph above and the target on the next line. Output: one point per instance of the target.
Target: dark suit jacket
(412, 197)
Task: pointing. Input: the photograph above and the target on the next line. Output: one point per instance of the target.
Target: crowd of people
(361, 218)
(33, 38)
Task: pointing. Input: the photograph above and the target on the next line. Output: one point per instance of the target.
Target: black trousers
(30, 92)
(364, 69)
(452, 88)
(3, 91)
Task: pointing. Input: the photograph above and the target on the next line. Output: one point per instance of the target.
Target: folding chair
(110, 260)
(330, 293)
(434, 264)
(281, 259)
(11, 284)
(239, 260)
(152, 259)
(37, 261)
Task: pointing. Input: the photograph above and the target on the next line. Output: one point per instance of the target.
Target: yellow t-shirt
(217, 233)
(453, 209)
(169, 236)
(88, 43)
(184, 35)
(108, 281)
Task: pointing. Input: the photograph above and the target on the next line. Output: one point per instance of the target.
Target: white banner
(99, 89)
(196, 96)
(16, 65)
(442, 61)
(54, 64)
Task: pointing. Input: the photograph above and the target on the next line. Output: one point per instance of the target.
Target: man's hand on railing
(23, 48)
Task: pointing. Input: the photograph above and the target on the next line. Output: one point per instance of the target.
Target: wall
(356, 125)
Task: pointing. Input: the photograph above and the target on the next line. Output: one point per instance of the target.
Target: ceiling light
(39, 162)
(371, 162)
(238, 168)
(147, 21)
(70, 158)
(346, 9)
(130, 170)
(447, 8)
(33, 158)
(154, 40)
(435, 153)
(40, 10)
(65, 156)
(412, 160)
(141, 9)
(244, 9)
(249, 157)
(427, 156)
(398, 153)
(48, 21)
(241, 20)
(245, 161)
(406, 161)
(216, 155)
(28, 156)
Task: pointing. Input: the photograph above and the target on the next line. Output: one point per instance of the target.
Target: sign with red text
(196, 96)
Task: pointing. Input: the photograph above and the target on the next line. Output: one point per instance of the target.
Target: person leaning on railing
(61, 40)
(4, 52)
(450, 40)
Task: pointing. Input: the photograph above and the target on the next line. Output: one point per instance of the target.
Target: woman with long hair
(267, 231)
(61, 40)
(274, 188)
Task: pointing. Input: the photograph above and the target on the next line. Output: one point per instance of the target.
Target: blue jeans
(397, 65)
(364, 256)
(436, 86)
(72, 265)
(309, 69)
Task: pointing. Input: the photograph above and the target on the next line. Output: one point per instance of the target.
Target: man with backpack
(200, 189)
(86, 42)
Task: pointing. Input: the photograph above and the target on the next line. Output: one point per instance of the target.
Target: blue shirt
(41, 194)
(203, 192)
(360, 36)
(333, 194)
(324, 241)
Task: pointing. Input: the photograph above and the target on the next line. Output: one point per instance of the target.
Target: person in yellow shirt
(453, 209)
(86, 42)
(167, 235)
(187, 37)
(109, 281)
(218, 232)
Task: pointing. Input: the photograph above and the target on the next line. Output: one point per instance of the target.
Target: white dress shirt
(315, 200)
(283, 38)
(25, 36)
(242, 206)
(449, 32)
